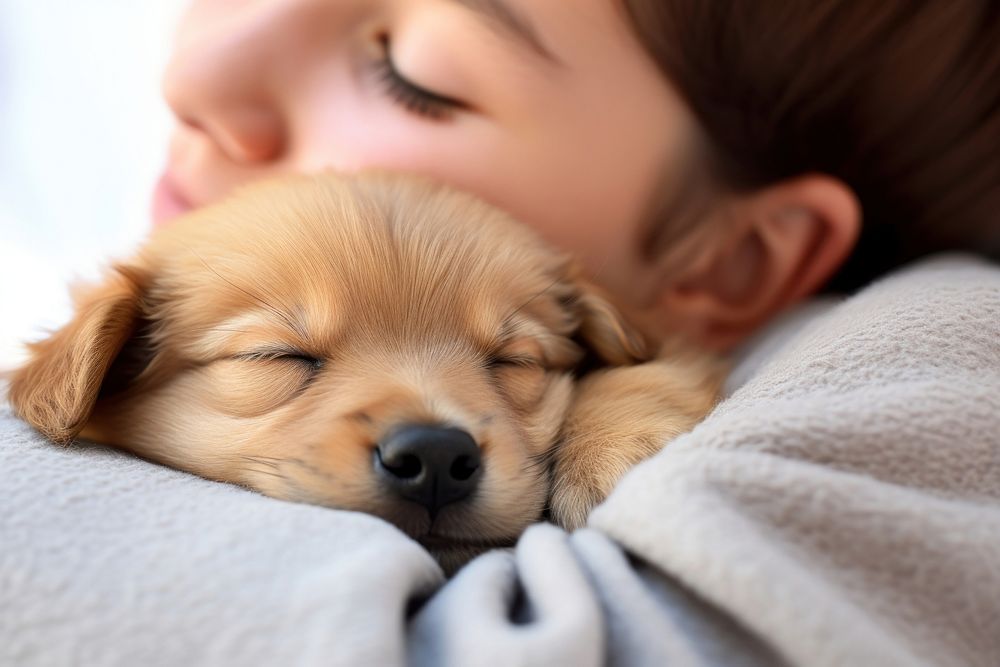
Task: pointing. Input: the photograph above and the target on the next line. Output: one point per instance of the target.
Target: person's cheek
(352, 125)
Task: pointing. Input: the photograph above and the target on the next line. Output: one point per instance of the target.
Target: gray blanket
(840, 507)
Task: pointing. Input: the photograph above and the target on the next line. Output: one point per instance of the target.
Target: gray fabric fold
(845, 502)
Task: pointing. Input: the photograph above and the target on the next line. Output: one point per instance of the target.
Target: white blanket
(841, 507)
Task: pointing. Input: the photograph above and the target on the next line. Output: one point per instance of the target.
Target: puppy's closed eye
(522, 383)
(254, 383)
(521, 370)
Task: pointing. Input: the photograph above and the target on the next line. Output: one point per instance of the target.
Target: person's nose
(229, 76)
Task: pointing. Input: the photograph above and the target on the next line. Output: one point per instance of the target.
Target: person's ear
(776, 247)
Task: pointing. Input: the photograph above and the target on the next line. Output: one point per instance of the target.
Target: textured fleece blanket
(840, 507)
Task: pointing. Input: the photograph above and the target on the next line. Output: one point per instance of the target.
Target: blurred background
(83, 137)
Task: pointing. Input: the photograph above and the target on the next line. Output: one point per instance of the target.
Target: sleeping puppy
(371, 343)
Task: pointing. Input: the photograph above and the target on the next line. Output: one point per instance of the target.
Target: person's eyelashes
(412, 97)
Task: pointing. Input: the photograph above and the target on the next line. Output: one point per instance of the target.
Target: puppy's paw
(621, 416)
(570, 505)
(585, 472)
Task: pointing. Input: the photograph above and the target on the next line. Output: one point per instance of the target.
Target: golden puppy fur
(274, 340)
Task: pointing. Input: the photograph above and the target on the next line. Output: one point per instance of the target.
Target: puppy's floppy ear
(604, 330)
(602, 327)
(56, 390)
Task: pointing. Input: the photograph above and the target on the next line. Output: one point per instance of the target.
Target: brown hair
(899, 99)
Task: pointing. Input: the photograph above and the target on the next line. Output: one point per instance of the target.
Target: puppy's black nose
(430, 465)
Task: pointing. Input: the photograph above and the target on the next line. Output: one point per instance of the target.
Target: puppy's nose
(430, 465)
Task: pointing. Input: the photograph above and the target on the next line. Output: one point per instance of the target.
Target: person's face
(546, 108)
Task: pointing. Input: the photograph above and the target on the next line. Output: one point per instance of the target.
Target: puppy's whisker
(313, 469)
(514, 312)
(218, 329)
(545, 458)
(263, 460)
(269, 473)
(537, 466)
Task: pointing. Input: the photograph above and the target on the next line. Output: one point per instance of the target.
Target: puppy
(371, 343)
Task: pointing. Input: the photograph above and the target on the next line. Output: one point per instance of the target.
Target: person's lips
(168, 201)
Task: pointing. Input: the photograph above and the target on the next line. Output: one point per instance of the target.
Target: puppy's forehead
(392, 255)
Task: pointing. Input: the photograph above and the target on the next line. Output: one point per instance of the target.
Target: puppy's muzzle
(432, 466)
